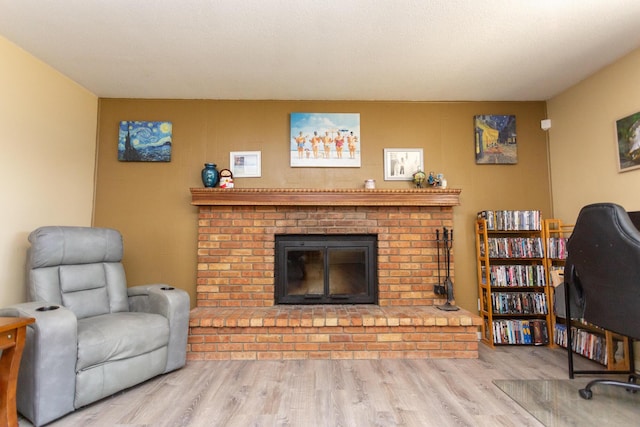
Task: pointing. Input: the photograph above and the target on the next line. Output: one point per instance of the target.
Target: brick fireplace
(236, 317)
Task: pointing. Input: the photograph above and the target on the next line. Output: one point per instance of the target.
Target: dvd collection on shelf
(515, 275)
(513, 247)
(520, 331)
(557, 247)
(583, 342)
(519, 302)
(511, 220)
(512, 277)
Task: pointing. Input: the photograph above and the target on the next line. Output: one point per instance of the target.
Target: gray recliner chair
(93, 336)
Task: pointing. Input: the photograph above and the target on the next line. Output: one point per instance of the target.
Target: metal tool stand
(447, 285)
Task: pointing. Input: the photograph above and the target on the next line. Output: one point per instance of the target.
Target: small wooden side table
(13, 332)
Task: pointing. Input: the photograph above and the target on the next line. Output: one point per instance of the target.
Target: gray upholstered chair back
(79, 268)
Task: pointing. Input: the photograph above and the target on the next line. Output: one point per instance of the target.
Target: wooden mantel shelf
(324, 197)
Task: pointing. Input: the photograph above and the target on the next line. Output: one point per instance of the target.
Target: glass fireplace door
(325, 269)
(347, 272)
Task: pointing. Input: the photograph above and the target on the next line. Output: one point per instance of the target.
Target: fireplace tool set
(445, 287)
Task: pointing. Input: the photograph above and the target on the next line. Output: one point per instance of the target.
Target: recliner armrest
(47, 378)
(171, 303)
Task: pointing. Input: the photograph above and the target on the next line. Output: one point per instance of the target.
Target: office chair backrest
(79, 268)
(604, 250)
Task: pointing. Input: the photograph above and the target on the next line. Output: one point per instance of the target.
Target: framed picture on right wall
(628, 142)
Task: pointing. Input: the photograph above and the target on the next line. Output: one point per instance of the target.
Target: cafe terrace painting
(495, 139)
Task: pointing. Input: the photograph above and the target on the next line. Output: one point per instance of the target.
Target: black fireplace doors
(326, 269)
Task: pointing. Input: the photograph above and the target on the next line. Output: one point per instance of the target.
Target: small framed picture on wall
(246, 164)
(401, 163)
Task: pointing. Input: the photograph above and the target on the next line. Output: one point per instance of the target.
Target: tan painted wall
(583, 147)
(150, 202)
(47, 164)
(584, 165)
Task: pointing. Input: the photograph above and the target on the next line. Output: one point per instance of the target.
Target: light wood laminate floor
(332, 393)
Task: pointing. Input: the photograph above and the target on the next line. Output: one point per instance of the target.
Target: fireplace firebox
(326, 269)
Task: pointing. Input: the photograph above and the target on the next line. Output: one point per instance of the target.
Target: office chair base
(630, 386)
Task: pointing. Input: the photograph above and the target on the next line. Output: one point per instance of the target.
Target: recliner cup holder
(167, 288)
(48, 308)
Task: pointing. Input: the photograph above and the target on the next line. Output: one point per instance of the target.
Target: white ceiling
(425, 50)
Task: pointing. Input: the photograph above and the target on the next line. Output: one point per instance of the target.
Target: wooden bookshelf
(512, 281)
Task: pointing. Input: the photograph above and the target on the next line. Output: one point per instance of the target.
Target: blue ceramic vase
(210, 175)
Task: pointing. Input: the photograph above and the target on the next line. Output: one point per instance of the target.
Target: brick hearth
(332, 332)
(236, 318)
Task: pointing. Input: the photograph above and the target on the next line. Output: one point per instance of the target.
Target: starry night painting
(495, 137)
(140, 141)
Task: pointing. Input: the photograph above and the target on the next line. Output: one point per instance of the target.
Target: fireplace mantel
(324, 197)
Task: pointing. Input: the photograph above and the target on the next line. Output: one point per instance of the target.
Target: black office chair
(603, 272)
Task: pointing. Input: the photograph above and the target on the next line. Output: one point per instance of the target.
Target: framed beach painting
(329, 140)
(628, 142)
(140, 141)
(401, 163)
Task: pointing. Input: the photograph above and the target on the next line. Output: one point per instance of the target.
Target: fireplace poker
(439, 289)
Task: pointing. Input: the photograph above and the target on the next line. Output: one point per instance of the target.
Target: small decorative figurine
(436, 180)
(419, 179)
(432, 179)
(226, 179)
